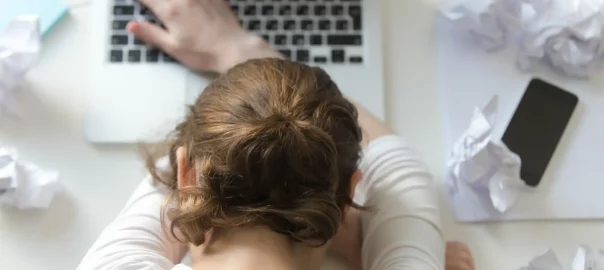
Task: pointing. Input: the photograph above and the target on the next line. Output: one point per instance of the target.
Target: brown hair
(273, 143)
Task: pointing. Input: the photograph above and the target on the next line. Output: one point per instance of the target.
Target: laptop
(138, 94)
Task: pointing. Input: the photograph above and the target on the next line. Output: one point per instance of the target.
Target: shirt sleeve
(135, 239)
(402, 228)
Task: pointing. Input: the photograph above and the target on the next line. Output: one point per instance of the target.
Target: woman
(263, 169)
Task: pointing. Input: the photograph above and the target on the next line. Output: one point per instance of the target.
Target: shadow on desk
(43, 225)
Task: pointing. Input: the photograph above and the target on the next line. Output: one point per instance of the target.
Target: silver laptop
(138, 93)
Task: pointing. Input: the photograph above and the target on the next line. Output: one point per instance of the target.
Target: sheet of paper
(19, 48)
(23, 184)
(564, 34)
(483, 175)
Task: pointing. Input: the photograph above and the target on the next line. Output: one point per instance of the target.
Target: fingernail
(131, 27)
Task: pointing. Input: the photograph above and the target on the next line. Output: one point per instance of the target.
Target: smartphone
(537, 126)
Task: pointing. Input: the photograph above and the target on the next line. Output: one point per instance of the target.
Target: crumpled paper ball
(483, 174)
(585, 259)
(23, 184)
(564, 34)
(19, 48)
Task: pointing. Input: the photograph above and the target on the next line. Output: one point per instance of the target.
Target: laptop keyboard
(308, 31)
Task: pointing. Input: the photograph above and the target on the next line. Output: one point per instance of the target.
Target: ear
(185, 175)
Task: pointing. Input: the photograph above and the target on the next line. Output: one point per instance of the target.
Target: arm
(402, 230)
(135, 239)
(372, 127)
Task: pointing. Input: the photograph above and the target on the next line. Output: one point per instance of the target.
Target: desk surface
(99, 179)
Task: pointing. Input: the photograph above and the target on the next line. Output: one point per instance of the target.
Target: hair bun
(274, 143)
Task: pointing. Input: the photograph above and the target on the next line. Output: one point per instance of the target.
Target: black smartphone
(537, 126)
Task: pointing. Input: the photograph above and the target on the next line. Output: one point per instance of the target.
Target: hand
(348, 241)
(203, 35)
(458, 257)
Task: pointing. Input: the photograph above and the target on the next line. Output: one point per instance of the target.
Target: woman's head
(270, 143)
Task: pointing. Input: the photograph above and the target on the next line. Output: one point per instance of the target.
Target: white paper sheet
(483, 175)
(565, 34)
(23, 184)
(19, 48)
(585, 259)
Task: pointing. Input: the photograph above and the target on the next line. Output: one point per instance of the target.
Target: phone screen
(537, 126)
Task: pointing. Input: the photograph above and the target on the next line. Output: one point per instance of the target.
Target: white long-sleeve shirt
(401, 231)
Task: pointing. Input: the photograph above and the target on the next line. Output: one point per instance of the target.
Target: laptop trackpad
(134, 103)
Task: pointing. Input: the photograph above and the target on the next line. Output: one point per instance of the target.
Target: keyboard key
(289, 25)
(138, 42)
(286, 53)
(152, 55)
(302, 10)
(350, 0)
(337, 56)
(298, 40)
(145, 11)
(342, 24)
(280, 39)
(337, 10)
(320, 10)
(324, 24)
(119, 25)
(168, 58)
(119, 39)
(268, 10)
(249, 10)
(356, 59)
(123, 10)
(272, 25)
(316, 40)
(235, 9)
(253, 25)
(320, 59)
(285, 10)
(355, 12)
(134, 56)
(302, 55)
(267, 38)
(307, 25)
(116, 56)
(344, 40)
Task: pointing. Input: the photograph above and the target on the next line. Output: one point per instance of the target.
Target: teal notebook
(49, 11)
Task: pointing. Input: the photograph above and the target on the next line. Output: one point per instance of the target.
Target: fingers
(151, 34)
(458, 257)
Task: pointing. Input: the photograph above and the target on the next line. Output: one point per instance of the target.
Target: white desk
(99, 179)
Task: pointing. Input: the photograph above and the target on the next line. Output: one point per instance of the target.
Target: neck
(249, 248)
